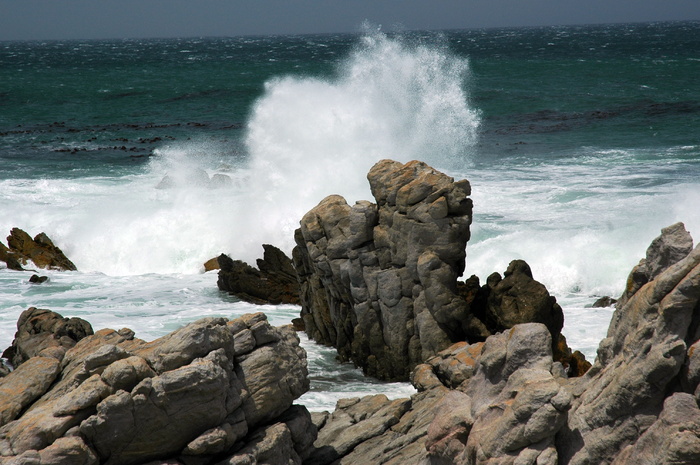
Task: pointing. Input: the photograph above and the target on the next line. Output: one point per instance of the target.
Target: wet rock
(36, 279)
(40, 251)
(605, 301)
(274, 282)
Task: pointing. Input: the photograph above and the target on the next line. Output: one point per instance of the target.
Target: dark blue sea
(580, 142)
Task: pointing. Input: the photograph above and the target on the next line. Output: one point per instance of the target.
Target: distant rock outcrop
(274, 282)
(379, 281)
(214, 391)
(41, 251)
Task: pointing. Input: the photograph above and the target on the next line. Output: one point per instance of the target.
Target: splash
(309, 137)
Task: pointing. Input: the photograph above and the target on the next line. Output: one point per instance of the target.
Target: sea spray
(310, 137)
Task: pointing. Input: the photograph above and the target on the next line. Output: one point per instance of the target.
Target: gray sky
(88, 19)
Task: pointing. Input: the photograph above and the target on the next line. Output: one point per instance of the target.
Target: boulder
(213, 390)
(274, 282)
(41, 251)
(500, 401)
(41, 331)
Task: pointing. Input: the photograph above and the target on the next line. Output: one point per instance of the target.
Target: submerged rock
(214, 391)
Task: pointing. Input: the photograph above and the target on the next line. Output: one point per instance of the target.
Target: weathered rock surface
(501, 401)
(640, 361)
(674, 244)
(214, 391)
(43, 332)
(379, 281)
(274, 282)
(41, 251)
(505, 401)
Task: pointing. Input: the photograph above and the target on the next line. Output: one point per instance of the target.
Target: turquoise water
(580, 143)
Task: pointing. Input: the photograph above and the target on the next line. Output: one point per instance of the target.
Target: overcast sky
(89, 19)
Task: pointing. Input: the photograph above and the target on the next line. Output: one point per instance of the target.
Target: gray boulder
(190, 397)
(43, 332)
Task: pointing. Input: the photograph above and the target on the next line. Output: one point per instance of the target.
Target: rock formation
(41, 251)
(505, 401)
(379, 281)
(214, 391)
(274, 282)
(42, 332)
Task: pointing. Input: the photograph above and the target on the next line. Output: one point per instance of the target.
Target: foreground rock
(215, 391)
(501, 401)
(41, 251)
(42, 332)
(274, 282)
(505, 401)
(379, 281)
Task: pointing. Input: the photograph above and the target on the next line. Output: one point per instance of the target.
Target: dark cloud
(86, 19)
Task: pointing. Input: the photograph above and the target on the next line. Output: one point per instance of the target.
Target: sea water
(580, 144)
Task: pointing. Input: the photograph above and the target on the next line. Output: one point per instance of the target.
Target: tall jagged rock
(41, 251)
(378, 281)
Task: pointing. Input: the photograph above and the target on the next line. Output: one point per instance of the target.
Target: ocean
(580, 143)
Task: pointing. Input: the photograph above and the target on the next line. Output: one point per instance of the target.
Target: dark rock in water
(43, 332)
(274, 282)
(10, 258)
(212, 264)
(36, 279)
(40, 250)
(214, 391)
(605, 301)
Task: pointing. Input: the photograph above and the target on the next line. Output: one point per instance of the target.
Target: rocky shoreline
(496, 383)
